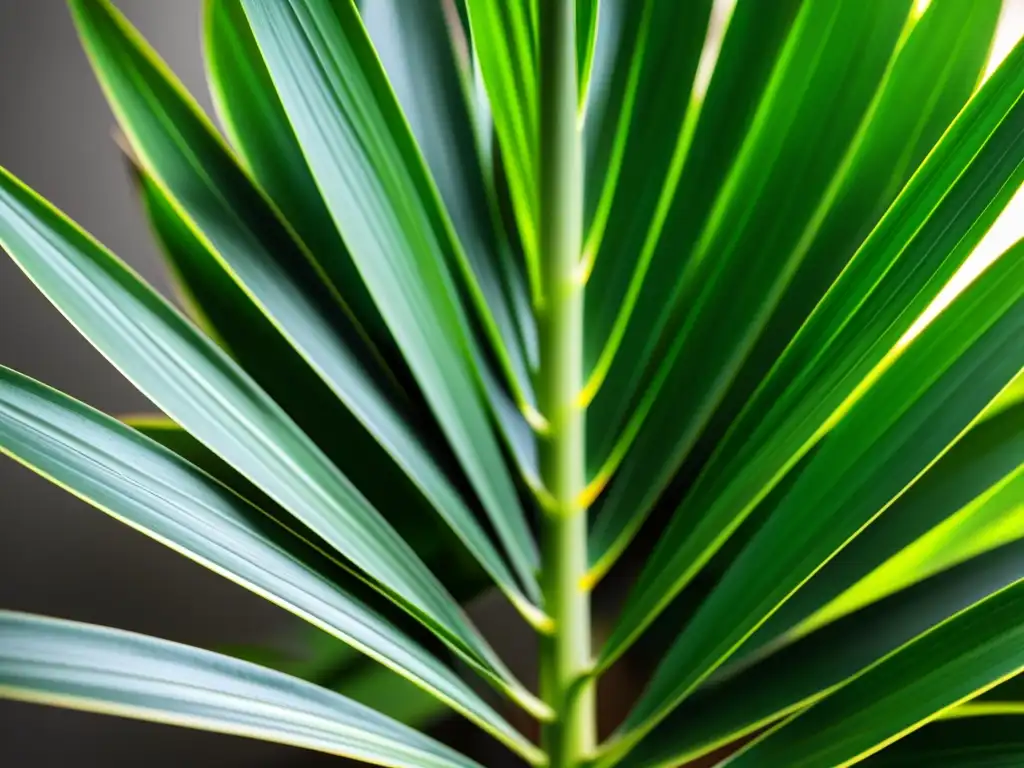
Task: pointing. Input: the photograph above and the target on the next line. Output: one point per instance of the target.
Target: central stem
(566, 653)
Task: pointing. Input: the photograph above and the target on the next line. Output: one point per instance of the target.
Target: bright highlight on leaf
(719, 303)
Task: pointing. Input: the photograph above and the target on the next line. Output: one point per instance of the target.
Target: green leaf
(258, 128)
(199, 387)
(785, 178)
(367, 453)
(939, 521)
(849, 339)
(135, 480)
(504, 37)
(414, 44)
(752, 40)
(987, 742)
(587, 13)
(333, 665)
(459, 572)
(779, 682)
(637, 121)
(120, 673)
(376, 186)
(972, 651)
(896, 431)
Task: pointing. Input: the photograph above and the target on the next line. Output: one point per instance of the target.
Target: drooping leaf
(120, 673)
(135, 480)
(904, 423)
(972, 651)
(377, 188)
(199, 387)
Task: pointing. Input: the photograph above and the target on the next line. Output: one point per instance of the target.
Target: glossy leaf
(918, 407)
(440, 551)
(924, 237)
(792, 164)
(505, 43)
(781, 681)
(258, 128)
(973, 651)
(135, 480)
(414, 42)
(961, 495)
(377, 188)
(936, 68)
(331, 664)
(587, 12)
(201, 389)
(366, 452)
(120, 673)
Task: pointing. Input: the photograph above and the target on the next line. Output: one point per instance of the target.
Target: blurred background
(60, 557)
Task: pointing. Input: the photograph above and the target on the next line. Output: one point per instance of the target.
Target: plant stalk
(565, 654)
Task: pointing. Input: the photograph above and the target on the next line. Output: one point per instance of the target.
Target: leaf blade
(83, 666)
(138, 482)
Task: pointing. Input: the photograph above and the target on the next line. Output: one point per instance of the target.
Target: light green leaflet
(934, 225)
(505, 43)
(106, 670)
(1005, 699)
(376, 186)
(741, 701)
(201, 389)
(973, 651)
(146, 486)
(918, 407)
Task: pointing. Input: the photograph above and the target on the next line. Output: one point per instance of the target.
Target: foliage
(503, 293)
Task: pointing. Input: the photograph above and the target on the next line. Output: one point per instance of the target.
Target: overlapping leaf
(259, 130)
(784, 681)
(896, 431)
(849, 339)
(505, 43)
(961, 506)
(376, 186)
(151, 489)
(105, 670)
(988, 742)
(813, 182)
(204, 391)
(205, 205)
(973, 651)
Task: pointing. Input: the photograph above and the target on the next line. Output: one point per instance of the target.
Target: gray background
(57, 556)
